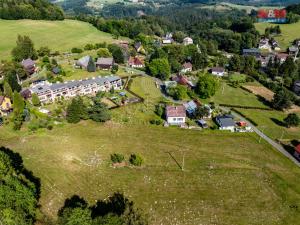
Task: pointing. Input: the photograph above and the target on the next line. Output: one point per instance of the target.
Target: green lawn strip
(228, 179)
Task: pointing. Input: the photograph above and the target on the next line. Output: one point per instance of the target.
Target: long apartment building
(48, 92)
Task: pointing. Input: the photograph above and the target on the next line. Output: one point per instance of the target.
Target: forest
(30, 9)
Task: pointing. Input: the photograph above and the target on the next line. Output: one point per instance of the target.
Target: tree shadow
(116, 204)
(17, 163)
(278, 122)
(290, 149)
(295, 142)
(264, 101)
(74, 202)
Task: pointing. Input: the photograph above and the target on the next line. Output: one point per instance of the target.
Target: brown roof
(187, 65)
(175, 111)
(105, 61)
(27, 63)
(282, 55)
(135, 61)
(1, 99)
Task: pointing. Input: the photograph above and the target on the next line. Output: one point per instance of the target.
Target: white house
(188, 41)
(225, 122)
(175, 115)
(187, 67)
(48, 92)
(218, 71)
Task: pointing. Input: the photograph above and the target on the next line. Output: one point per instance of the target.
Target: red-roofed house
(183, 80)
(297, 152)
(187, 67)
(175, 115)
(135, 62)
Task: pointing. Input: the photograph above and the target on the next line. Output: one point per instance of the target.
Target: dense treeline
(19, 190)
(30, 9)
(231, 31)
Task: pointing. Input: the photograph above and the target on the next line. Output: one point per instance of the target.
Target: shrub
(135, 160)
(117, 158)
(156, 121)
(76, 50)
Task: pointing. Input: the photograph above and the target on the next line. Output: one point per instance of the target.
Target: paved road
(277, 146)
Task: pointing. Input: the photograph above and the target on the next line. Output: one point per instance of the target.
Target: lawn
(290, 32)
(57, 35)
(270, 122)
(228, 178)
(235, 96)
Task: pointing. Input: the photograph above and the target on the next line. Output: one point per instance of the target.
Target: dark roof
(137, 45)
(225, 121)
(26, 93)
(175, 111)
(28, 63)
(56, 70)
(218, 69)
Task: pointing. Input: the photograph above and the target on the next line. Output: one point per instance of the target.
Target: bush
(135, 160)
(156, 121)
(76, 50)
(117, 158)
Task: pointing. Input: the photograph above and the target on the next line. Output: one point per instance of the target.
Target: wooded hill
(30, 9)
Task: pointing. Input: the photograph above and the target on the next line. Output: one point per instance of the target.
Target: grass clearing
(57, 35)
(290, 32)
(242, 182)
(271, 123)
(235, 96)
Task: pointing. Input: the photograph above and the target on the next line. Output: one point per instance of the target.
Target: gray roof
(27, 63)
(84, 61)
(105, 61)
(56, 86)
(251, 50)
(293, 49)
(225, 121)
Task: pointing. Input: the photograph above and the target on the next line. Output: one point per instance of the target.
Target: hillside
(57, 35)
(290, 32)
(30, 9)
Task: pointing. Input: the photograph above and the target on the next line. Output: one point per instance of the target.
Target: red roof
(135, 61)
(176, 111)
(187, 65)
(297, 149)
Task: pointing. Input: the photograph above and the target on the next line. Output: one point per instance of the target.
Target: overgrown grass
(227, 179)
(57, 35)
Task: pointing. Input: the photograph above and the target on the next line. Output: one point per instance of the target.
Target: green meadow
(57, 35)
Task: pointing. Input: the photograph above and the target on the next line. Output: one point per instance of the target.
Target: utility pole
(262, 131)
(183, 156)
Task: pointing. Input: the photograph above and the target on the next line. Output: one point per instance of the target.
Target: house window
(180, 119)
(174, 119)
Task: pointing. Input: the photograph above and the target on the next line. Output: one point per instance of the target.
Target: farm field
(57, 35)
(243, 182)
(236, 96)
(290, 32)
(271, 123)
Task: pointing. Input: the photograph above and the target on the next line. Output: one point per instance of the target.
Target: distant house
(29, 66)
(105, 63)
(175, 115)
(218, 71)
(183, 80)
(191, 107)
(225, 122)
(188, 41)
(297, 87)
(297, 152)
(26, 94)
(282, 57)
(275, 45)
(264, 44)
(252, 52)
(139, 47)
(5, 105)
(167, 41)
(202, 123)
(87, 63)
(135, 62)
(293, 50)
(56, 70)
(187, 67)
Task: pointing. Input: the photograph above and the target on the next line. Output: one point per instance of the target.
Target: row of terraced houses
(48, 92)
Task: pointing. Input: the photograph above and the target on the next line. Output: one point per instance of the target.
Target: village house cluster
(48, 92)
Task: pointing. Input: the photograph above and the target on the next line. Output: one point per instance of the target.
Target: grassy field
(242, 182)
(290, 32)
(271, 122)
(235, 96)
(58, 35)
